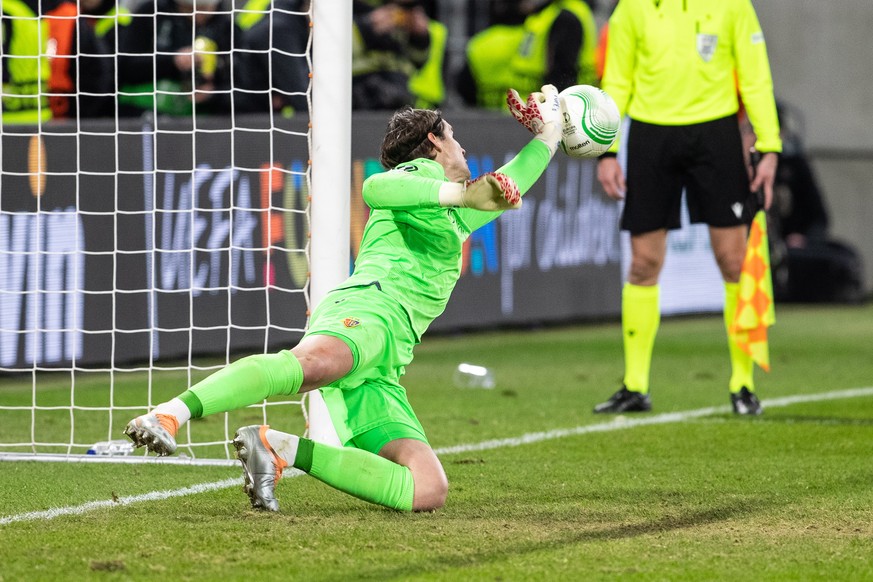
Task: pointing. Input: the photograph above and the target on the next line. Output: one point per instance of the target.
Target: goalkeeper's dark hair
(406, 136)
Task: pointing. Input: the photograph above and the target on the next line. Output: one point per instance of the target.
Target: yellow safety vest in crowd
(366, 60)
(254, 12)
(25, 93)
(529, 63)
(504, 56)
(117, 16)
(679, 63)
(489, 53)
(427, 83)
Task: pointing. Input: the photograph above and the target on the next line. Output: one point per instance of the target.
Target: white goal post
(138, 255)
(331, 151)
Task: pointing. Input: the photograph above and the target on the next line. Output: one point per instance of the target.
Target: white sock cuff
(174, 407)
(284, 444)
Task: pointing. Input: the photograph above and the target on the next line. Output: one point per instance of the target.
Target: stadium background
(562, 245)
(642, 500)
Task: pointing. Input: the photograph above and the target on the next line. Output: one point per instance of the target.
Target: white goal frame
(331, 152)
(329, 210)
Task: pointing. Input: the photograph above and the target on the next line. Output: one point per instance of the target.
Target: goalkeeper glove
(541, 115)
(492, 191)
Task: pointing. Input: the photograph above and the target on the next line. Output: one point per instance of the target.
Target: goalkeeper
(362, 334)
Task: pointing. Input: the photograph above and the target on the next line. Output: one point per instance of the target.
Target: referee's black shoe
(745, 402)
(625, 401)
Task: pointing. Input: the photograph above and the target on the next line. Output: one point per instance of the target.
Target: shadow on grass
(820, 420)
(566, 539)
(787, 419)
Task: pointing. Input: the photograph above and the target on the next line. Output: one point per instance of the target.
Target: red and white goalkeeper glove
(541, 114)
(492, 191)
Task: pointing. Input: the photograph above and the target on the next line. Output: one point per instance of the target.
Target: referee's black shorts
(706, 159)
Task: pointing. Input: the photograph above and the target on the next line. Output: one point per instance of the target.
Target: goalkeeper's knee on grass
(359, 473)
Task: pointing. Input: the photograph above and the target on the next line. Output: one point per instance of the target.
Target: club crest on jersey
(706, 46)
(351, 322)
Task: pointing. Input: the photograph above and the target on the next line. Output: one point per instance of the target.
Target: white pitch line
(619, 423)
(624, 422)
(92, 505)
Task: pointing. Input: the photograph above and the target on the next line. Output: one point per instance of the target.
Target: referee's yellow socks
(742, 366)
(640, 318)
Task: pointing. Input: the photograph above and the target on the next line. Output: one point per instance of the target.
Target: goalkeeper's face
(451, 155)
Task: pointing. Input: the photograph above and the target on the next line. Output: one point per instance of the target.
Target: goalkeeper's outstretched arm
(402, 190)
(541, 115)
(416, 184)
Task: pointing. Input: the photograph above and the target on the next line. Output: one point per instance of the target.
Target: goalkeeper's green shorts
(368, 406)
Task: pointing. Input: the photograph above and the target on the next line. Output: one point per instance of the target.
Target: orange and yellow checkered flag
(755, 311)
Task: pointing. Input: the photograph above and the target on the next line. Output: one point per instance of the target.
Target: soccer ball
(590, 121)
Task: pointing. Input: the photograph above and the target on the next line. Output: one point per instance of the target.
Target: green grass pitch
(693, 496)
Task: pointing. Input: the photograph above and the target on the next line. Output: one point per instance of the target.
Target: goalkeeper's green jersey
(681, 62)
(411, 247)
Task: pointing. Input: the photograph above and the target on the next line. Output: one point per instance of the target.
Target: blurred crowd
(64, 59)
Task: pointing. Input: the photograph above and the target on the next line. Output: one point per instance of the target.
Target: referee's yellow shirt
(678, 62)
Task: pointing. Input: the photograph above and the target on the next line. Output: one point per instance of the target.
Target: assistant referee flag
(755, 311)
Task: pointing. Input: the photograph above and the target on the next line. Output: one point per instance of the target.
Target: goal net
(154, 229)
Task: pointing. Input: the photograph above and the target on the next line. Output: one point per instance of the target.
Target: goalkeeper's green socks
(640, 318)
(742, 366)
(247, 381)
(359, 473)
